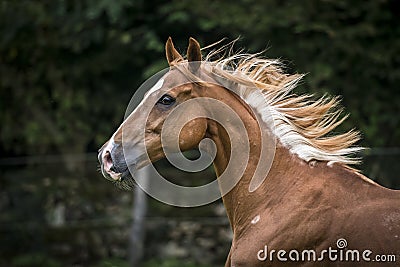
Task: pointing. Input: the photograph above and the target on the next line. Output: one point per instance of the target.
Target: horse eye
(166, 100)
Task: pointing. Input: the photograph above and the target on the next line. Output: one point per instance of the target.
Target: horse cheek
(192, 133)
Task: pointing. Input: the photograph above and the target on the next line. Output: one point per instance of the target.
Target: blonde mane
(302, 123)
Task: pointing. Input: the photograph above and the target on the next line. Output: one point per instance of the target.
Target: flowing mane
(303, 124)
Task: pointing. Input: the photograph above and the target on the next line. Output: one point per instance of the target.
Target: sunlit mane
(302, 124)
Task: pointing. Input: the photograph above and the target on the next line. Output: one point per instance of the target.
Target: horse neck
(240, 204)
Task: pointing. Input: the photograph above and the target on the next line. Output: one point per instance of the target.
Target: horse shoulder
(344, 206)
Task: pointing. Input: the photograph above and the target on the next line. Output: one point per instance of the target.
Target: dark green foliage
(35, 260)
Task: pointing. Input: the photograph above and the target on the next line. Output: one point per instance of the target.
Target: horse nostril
(107, 157)
(107, 160)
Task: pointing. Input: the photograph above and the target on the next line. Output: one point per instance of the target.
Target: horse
(312, 208)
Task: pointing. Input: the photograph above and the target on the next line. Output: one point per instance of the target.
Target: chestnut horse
(312, 209)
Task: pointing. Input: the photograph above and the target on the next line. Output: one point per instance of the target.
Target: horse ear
(173, 56)
(194, 54)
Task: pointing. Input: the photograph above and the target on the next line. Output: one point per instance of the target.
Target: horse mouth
(122, 180)
(125, 181)
(117, 176)
(120, 171)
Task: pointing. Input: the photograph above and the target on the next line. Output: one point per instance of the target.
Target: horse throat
(236, 198)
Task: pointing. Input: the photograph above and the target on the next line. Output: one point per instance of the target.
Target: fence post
(137, 233)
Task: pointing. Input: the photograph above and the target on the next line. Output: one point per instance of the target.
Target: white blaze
(156, 87)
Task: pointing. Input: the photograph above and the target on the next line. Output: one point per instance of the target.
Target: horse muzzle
(112, 161)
